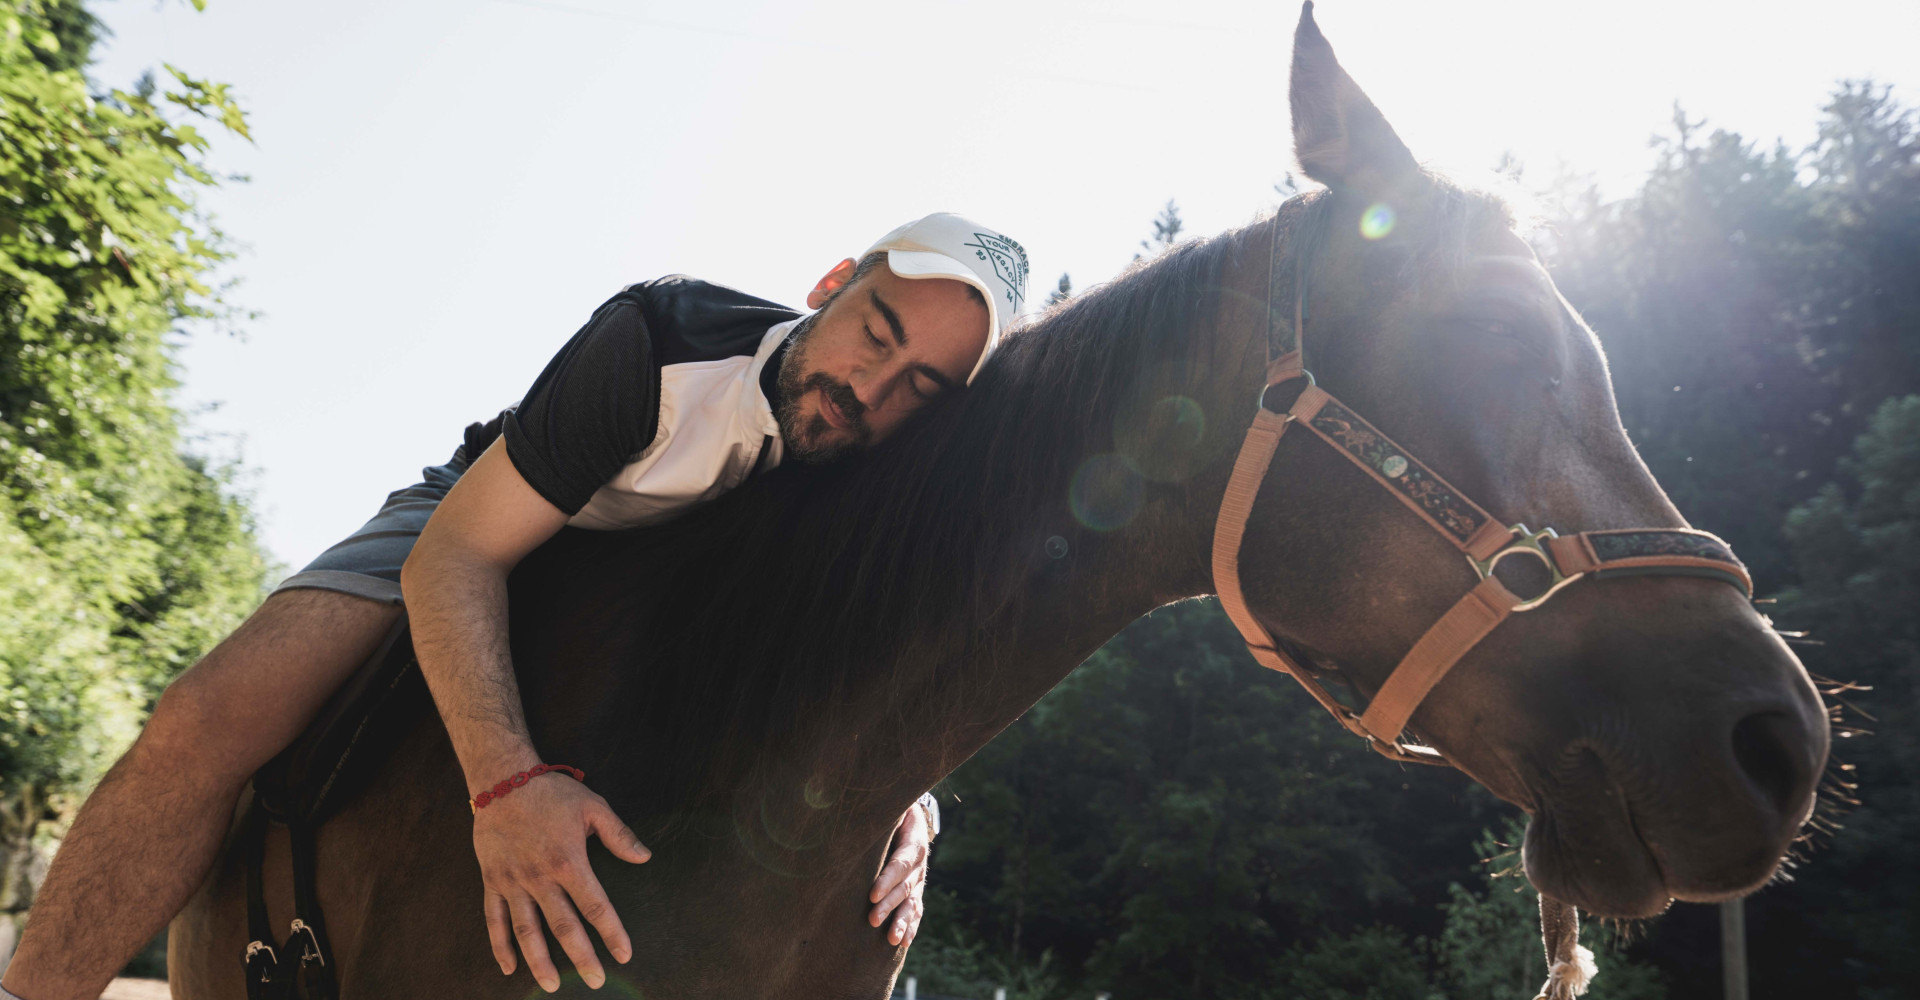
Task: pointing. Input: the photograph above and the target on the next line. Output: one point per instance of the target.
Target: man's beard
(805, 437)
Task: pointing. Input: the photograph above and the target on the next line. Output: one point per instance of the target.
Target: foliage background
(1172, 821)
(122, 555)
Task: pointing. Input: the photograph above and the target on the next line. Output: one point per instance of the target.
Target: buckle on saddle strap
(254, 948)
(310, 951)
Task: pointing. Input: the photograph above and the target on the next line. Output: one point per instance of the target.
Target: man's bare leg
(145, 839)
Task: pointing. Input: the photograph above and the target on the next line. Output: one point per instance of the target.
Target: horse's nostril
(1771, 749)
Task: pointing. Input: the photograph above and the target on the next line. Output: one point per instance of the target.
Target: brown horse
(764, 686)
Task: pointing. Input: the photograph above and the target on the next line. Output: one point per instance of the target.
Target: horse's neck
(1089, 586)
(1067, 608)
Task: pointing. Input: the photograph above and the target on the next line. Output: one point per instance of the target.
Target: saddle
(301, 788)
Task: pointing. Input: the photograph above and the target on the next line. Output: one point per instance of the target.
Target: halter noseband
(1483, 540)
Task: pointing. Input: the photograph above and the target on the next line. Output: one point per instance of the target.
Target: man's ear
(831, 282)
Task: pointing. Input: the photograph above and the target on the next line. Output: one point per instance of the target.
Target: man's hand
(903, 881)
(532, 846)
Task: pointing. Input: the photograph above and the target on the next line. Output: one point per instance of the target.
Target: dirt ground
(137, 989)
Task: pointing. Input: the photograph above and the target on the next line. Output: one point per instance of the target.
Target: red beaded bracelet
(479, 801)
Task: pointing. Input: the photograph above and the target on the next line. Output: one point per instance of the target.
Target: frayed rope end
(1567, 980)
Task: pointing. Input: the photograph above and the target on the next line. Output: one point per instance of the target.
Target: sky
(439, 192)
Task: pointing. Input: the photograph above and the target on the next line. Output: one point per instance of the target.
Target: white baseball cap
(944, 245)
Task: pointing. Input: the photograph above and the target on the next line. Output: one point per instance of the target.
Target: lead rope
(1570, 966)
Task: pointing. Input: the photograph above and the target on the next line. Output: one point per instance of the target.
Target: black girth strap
(264, 974)
(307, 936)
(305, 955)
(301, 787)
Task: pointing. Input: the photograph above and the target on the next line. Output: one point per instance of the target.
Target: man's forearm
(458, 609)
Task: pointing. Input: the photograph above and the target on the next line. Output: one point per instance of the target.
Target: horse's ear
(1342, 140)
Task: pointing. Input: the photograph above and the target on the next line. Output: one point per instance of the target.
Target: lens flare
(1162, 441)
(788, 828)
(1106, 493)
(1377, 220)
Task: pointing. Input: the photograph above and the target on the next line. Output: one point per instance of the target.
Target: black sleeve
(594, 409)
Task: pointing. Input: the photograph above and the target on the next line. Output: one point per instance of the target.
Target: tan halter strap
(1484, 541)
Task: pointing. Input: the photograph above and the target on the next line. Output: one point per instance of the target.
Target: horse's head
(1663, 738)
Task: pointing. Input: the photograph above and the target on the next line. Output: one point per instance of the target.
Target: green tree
(1851, 911)
(1865, 321)
(949, 959)
(1166, 231)
(1491, 950)
(1061, 292)
(122, 558)
(1696, 285)
(1374, 963)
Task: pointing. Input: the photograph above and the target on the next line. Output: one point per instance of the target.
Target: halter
(1484, 541)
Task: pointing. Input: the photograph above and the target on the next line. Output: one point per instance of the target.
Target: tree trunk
(22, 867)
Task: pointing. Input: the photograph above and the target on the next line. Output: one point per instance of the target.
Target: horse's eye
(1503, 330)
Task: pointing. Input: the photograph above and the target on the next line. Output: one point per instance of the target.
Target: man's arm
(532, 844)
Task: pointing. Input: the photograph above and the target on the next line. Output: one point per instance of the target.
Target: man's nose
(869, 387)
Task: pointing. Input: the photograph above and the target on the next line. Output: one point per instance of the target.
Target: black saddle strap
(261, 960)
(305, 955)
(307, 938)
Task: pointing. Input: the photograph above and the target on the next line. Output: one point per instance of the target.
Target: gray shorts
(367, 562)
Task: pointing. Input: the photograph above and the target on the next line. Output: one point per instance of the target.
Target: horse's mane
(764, 609)
(755, 620)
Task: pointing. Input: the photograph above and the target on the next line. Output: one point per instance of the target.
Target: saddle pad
(353, 733)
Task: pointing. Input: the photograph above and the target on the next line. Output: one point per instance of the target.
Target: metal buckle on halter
(1528, 541)
(1349, 718)
(1399, 749)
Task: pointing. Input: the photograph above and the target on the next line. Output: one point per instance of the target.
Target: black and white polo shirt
(664, 399)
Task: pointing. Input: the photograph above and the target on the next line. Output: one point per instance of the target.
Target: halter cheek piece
(1484, 541)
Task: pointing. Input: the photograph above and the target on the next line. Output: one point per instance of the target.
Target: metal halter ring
(1527, 542)
(1261, 400)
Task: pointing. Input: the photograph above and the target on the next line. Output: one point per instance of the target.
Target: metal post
(999, 993)
(1733, 948)
(913, 987)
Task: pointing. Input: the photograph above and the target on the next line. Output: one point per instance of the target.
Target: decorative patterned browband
(1645, 551)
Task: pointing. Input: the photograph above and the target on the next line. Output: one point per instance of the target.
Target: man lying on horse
(675, 392)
